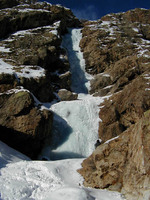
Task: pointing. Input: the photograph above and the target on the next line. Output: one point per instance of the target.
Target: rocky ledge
(117, 53)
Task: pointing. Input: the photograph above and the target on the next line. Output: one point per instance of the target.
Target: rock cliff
(117, 52)
(33, 68)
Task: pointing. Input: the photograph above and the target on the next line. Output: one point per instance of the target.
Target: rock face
(23, 125)
(123, 163)
(31, 58)
(35, 47)
(117, 52)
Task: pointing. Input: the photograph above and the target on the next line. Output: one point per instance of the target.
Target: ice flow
(75, 127)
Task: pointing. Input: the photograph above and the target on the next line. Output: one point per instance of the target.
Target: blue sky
(95, 9)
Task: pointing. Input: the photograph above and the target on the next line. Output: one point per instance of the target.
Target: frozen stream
(75, 128)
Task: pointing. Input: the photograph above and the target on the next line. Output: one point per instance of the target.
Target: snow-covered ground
(22, 179)
(75, 131)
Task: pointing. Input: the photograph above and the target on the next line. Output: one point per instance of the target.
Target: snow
(104, 74)
(75, 128)
(143, 53)
(9, 155)
(80, 79)
(75, 131)
(30, 71)
(111, 139)
(147, 76)
(23, 179)
(136, 29)
(53, 29)
(21, 33)
(21, 71)
(4, 49)
(104, 23)
(32, 10)
(16, 90)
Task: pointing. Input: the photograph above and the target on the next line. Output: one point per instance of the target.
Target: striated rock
(66, 95)
(122, 164)
(22, 125)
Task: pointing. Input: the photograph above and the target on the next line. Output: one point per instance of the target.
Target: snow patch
(111, 140)
(4, 49)
(16, 90)
(52, 28)
(32, 10)
(136, 29)
(21, 71)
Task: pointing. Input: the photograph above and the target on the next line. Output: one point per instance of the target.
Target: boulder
(123, 163)
(66, 95)
(23, 126)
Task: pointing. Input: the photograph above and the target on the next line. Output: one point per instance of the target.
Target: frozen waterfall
(75, 127)
(80, 79)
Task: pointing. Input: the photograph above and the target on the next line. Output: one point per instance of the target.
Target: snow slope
(22, 179)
